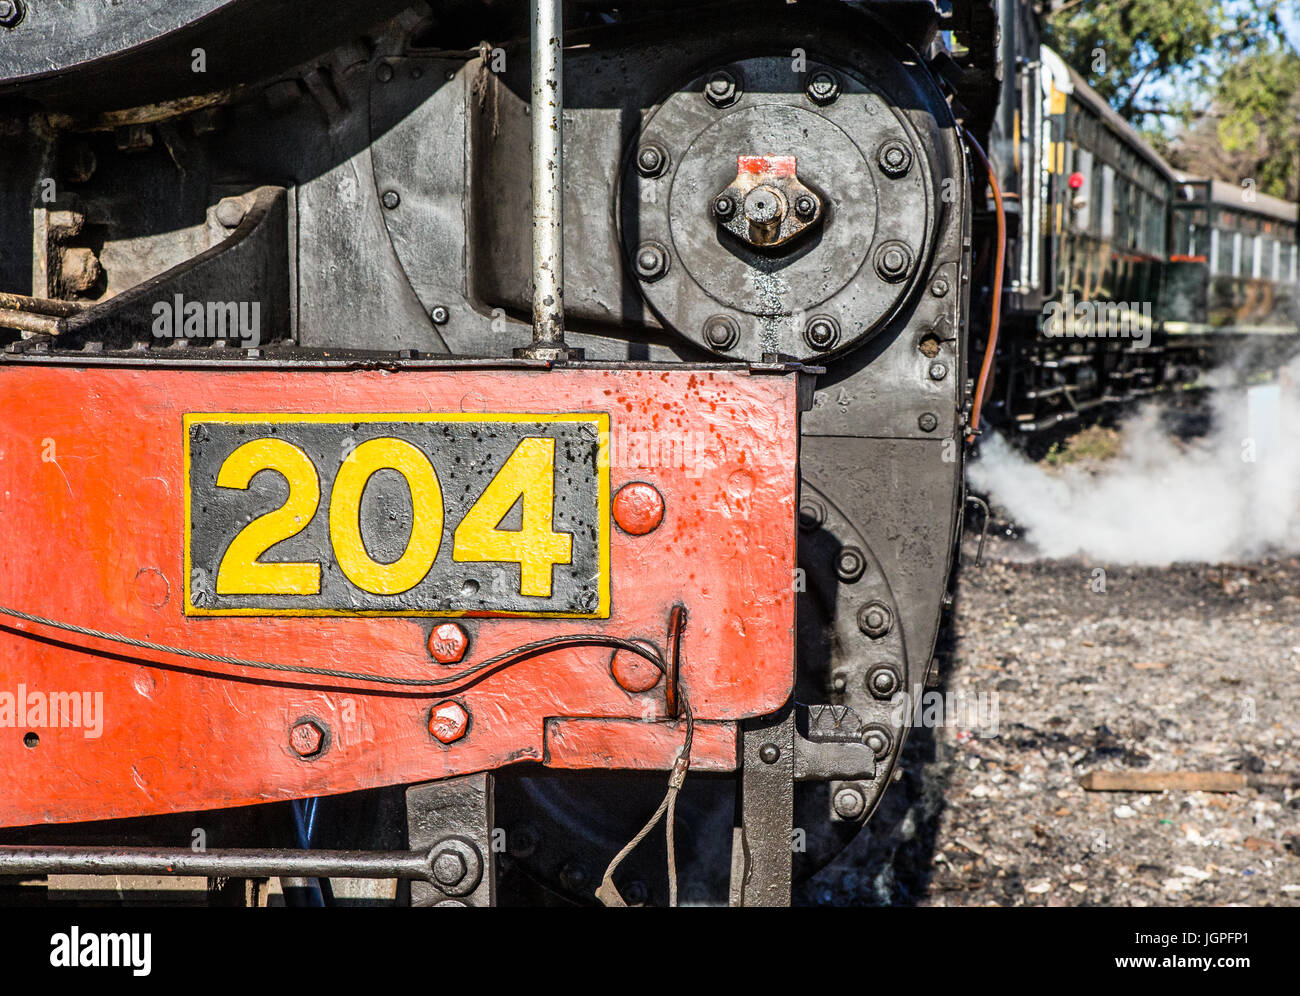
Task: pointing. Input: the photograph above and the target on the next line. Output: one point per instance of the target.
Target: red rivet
(448, 721)
(638, 508)
(448, 643)
(633, 672)
(306, 738)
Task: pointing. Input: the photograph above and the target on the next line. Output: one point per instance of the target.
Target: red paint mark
(769, 165)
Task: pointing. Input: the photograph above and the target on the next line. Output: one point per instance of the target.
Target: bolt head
(851, 564)
(938, 371)
(875, 619)
(939, 288)
(822, 332)
(769, 753)
(823, 87)
(724, 206)
(306, 738)
(230, 211)
(812, 514)
(651, 161)
(448, 721)
(928, 422)
(448, 643)
(877, 740)
(439, 315)
(722, 332)
(391, 199)
(651, 261)
(721, 89)
(849, 803)
(11, 12)
(449, 867)
(893, 261)
(895, 159)
(805, 207)
(384, 73)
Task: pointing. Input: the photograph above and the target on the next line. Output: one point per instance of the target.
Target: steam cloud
(1232, 495)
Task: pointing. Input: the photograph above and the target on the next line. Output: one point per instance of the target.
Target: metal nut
(893, 261)
(849, 803)
(812, 514)
(724, 206)
(448, 721)
(822, 332)
(850, 565)
(895, 159)
(306, 738)
(878, 739)
(651, 160)
(448, 643)
(391, 199)
(927, 422)
(823, 87)
(721, 89)
(804, 206)
(11, 12)
(651, 260)
(722, 332)
(439, 315)
(875, 619)
(230, 212)
(938, 371)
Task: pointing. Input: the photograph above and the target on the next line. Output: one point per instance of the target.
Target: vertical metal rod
(548, 182)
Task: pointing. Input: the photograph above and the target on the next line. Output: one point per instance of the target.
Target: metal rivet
(895, 159)
(875, 619)
(573, 875)
(651, 261)
(638, 508)
(448, 643)
(391, 199)
(722, 332)
(882, 681)
(938, 371)
(632, 671)
(439, 315)
(724, 206)
(770, 753)
(850, 564)
(721, 90)
(878, 739)
(384, 73)
(849, 803)
(928, 422)
(230, 212)
(823, 87)
(821, 332)
(939, 288)
(804, 206)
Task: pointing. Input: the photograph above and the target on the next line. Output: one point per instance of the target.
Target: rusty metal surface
(106, 508)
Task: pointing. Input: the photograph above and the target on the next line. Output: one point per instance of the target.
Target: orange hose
(986, 367)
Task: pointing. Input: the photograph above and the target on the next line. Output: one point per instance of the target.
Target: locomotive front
(302, 506)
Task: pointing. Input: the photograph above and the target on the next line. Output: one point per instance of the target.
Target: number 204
(528, 473)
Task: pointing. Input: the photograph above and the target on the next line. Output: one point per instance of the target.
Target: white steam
(1232, 495)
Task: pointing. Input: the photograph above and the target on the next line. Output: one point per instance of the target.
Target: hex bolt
(893, 261)
(938, 371)
(939, 288)
(812, 514)
(823, 87)
(651, 160)
(721, 89)
(927, 422)
(822, 332)
(895, 159)
(883, 681)
(439, 315)
(878, 740)
(804, 206)
(724, 206)
(770, 753)
(306, 738)
(651, 261)
(849, 803)
(448, 721)
(875, 619)
(722, 332)
(11, 12)
(448, 643)
(391, 199)
(449, 868)
(850, 565)
(384, 73)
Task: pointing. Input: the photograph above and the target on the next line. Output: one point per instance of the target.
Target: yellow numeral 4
(529, 475)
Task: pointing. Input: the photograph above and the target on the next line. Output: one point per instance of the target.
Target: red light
(1076, 181)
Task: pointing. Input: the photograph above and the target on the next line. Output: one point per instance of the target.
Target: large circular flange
(831, 269)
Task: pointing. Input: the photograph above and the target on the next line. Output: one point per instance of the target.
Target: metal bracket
(453, 821)
(828, 745)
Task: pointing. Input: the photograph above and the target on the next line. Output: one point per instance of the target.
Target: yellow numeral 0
(426, 520)
(240, 572)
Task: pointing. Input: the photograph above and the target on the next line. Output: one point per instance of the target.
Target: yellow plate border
(599, 419)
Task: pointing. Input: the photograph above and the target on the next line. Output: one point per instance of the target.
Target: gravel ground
(1187, 668)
